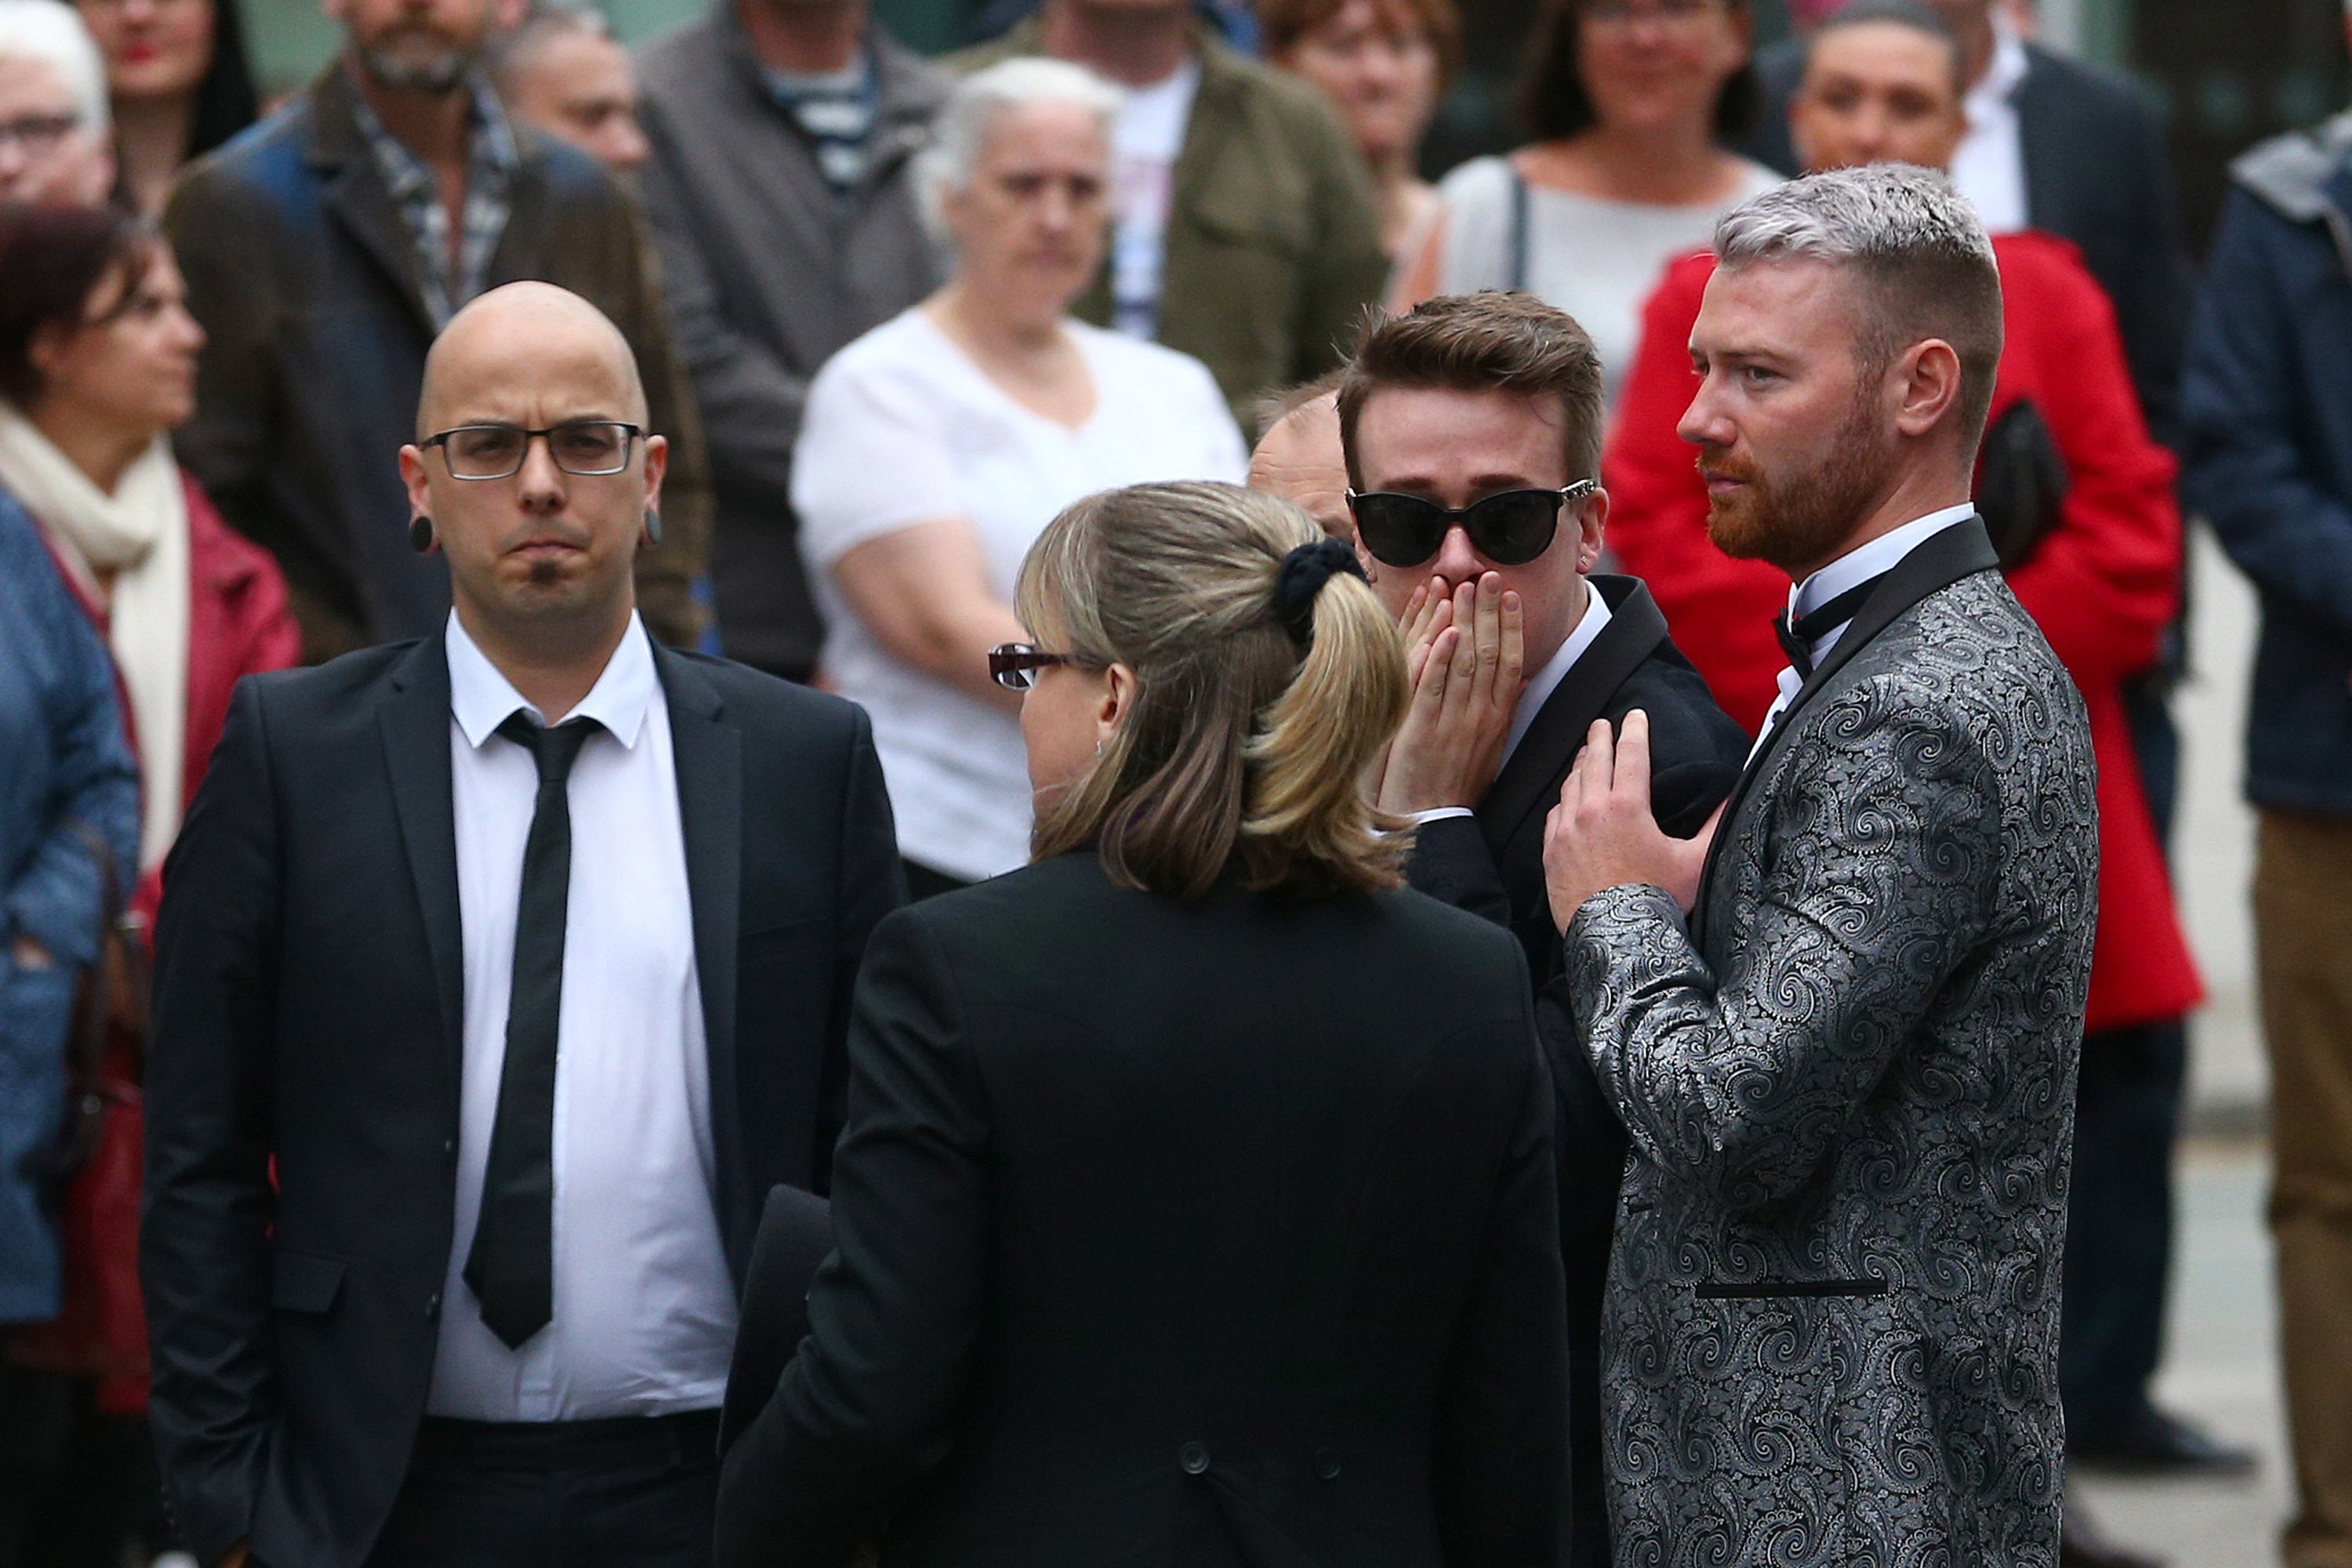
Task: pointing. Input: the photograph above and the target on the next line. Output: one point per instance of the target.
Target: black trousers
(77, 1488)
(630, 1492)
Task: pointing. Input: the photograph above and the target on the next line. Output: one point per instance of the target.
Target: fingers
(1632, 778)
(1512, 669)
(1487, 617)
(1599, 758)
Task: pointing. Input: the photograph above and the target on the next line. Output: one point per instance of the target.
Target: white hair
(951, 159)
(1879, 213)
(51, 33)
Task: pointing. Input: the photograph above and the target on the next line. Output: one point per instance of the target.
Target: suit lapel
(356, 193)
(1530, 778)
(1941, 559)
(707, 755)
(415, 725)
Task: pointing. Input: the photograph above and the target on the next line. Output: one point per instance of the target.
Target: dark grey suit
(1832, 1329)
(769, 273)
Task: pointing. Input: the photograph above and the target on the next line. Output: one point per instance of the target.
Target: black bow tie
(1798, 641)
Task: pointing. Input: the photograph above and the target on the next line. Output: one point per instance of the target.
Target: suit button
(432, 1307)
(1327, 1465)
(1193, 1458)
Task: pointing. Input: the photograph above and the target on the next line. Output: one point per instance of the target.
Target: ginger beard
(1791, 515)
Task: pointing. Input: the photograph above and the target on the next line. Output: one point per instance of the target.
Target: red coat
(2102, 585)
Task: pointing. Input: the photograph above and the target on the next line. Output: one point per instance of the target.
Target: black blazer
(2097, 173)
(1492, 864)
(308, 985)
(1198, 1235)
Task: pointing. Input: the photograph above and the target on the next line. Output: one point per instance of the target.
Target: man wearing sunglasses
(1470, 431)
(501, 974)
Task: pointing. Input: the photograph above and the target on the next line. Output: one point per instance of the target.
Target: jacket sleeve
(1720, 610)
(1742, 1081)
(873, 883)
(2104, 584)
(227, 445)
(2249, 468)
(1500, 1461)
(749, 402)
(53, 896)
(1452, 864)
(667, 573)
(1347, 269)
(864, 1410)
(204, 1253)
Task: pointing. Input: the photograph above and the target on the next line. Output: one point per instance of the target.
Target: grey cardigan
(768, 273)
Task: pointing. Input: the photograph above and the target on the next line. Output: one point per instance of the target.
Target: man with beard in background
(324, 251)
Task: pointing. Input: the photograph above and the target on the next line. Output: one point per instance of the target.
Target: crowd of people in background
(891, 316)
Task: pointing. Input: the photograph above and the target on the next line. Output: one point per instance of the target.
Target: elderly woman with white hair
(54, 130)
(937, 448)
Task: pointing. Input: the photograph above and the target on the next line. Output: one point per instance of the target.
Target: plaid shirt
(491, 158)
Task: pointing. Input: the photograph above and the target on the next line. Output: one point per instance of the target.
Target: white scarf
(139, 534)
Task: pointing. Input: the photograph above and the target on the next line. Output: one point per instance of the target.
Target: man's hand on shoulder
(1466, 659)
(1602, 835)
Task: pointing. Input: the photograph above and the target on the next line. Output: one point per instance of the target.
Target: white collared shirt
(1855, 567)
(1587, 628)
(1989, 168)
(644, 1306)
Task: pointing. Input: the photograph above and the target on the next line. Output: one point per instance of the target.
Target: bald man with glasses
(502, 974)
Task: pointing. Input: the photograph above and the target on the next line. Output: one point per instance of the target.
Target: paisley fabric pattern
(1833, 1322)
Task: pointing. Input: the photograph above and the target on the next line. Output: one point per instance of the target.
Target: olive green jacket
(1273, 247)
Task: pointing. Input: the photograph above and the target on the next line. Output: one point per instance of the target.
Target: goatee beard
(434, 76)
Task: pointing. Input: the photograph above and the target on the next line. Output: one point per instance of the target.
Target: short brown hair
(1482, 342)
(1241, 749)
(1283, 24)
(1276, 406)
(1553, 105)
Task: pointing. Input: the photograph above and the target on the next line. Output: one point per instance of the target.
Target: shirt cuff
(1419, 817)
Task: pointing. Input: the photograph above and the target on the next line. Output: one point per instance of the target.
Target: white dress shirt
(1989, 168)
(1589, 627)
(1855, 567)
(644, 1308)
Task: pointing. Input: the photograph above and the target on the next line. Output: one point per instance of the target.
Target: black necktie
(511, 1267)
(1798, 641)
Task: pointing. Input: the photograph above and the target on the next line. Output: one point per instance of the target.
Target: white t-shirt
(1143, 148)
(1595, 258)
(902, 428)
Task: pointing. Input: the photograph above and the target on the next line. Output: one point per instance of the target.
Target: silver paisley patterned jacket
(1831, 1328)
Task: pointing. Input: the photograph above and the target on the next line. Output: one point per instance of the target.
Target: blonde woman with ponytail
(1196, 1203)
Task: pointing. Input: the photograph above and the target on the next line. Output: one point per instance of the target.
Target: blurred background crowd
(904, 278)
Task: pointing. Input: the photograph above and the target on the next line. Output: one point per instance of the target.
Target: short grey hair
(1914, 241)
(948, 162)
(545, 20)
(51, 32)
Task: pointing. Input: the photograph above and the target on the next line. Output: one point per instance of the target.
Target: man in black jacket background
(456, 1139)
(1472, 431)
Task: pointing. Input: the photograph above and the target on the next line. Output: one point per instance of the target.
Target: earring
(652, 526)
(420, 535)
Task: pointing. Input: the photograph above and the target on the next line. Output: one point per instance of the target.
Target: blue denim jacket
(63, 757)
(2267, 402)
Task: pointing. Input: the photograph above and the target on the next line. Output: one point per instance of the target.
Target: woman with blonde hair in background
(1196, 1202)
(939, 444)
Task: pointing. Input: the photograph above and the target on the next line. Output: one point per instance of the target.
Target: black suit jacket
(2097, 173)
(302, 1090)
(1491, 863)
(1208, 1233)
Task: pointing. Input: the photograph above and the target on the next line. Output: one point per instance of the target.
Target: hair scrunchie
(1302, 576)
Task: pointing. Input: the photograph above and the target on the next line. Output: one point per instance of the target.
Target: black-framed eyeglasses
(586, 448)
(38, 133)
(1015, 665)
(1509, 530)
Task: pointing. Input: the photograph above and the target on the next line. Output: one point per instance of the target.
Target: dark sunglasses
(1015, 665)
(1509, 530)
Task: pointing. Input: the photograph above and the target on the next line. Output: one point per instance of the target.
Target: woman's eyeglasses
(1015, 665)
(1509, 530)
(587, 448)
